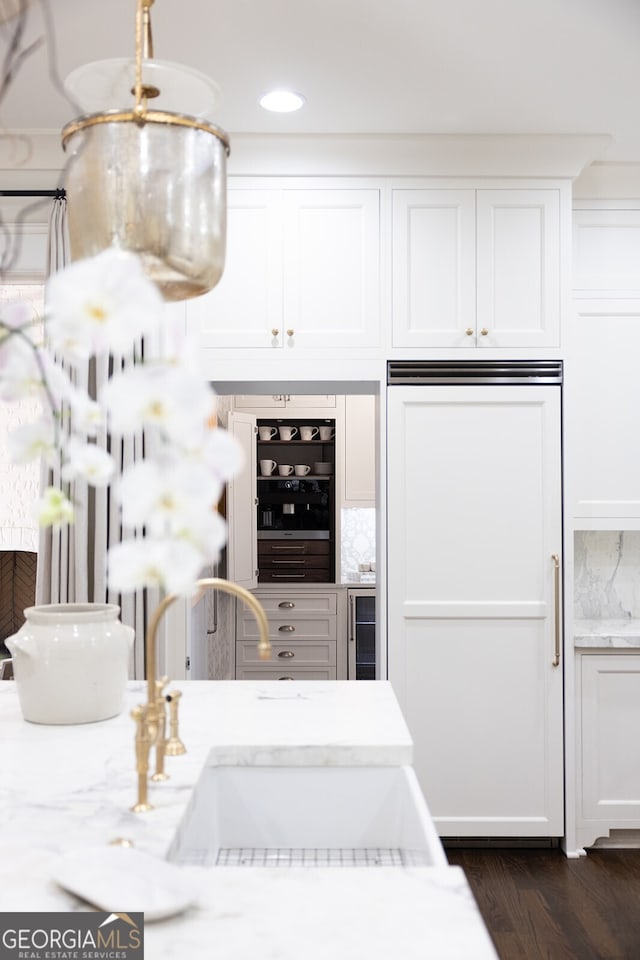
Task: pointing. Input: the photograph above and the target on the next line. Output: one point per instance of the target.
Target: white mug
(302, 469)
(267, 467)
(327, 433)
(267, 433)
(288, 433)
(308, 433)
(285, 469)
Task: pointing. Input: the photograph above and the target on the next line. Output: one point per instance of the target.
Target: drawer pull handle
(286, 605)
(289, 576)
(287, 628)
(285, 678)
(286, 654)
(299, 562)
(293, 547)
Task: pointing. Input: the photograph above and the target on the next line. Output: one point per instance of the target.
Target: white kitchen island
(70, 788)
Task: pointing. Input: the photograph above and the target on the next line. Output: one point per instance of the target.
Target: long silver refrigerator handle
(556, 590)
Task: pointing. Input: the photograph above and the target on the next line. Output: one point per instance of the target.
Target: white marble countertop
(68, 788)
(612, 634)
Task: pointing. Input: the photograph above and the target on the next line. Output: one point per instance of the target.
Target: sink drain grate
(320, 857)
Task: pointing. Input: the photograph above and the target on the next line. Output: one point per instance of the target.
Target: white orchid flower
(87, 414)
(206, 531)
(20, 375)
(54, 508)
(164, 496)
(101, 305)
(88, 462)
(220, 452)
(104, 305)
(172, 565)
(33, 440)
(162, 396)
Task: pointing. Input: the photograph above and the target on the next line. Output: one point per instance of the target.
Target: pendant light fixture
(148, 180)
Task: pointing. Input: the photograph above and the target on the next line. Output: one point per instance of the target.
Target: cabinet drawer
(292, 548)
(287, 655)
(298, 604)
(283, 631)
(293, 564)
(284, 673)
(294, 575)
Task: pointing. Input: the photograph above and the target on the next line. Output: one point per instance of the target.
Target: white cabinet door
(242, 517)
(606, 253)
(259, 401)
(283, 401)
(332, 268)
(358, 442)
(610, 732)
(474, 517)
(476, 268)
(433, 269)
(310, 401)
(602, 414)
(245, 308)
(518, 268)
(302, 271)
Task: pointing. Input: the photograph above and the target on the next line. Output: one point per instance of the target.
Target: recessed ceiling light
(281, 101)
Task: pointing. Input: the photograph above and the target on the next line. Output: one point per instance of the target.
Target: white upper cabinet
(602, 342)
(302, 272)
(331, 268)
(245, 308)
(518, 268)
(606, 253)
(434, 257)
(476, 268)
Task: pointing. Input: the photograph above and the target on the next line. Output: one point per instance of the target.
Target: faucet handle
(161, 731)
(140, 715)
(174, 746)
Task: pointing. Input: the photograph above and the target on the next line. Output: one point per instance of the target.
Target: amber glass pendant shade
(156, 188)
(148, 179)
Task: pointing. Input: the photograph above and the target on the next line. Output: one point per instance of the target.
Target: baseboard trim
(501, 843)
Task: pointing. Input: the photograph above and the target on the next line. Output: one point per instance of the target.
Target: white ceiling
(370, 66)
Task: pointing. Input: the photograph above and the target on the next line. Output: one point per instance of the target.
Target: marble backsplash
(606, 574)
(358, 540)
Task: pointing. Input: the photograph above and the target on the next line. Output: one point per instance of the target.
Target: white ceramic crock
(71, 662)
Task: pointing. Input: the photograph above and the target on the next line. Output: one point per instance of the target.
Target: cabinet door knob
(290, 332)
(275, 331)
(484, 331)
(469, 331)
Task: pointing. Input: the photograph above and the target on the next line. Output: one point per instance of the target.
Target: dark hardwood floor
(537, 904)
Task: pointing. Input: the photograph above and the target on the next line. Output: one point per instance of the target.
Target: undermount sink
(307, 816)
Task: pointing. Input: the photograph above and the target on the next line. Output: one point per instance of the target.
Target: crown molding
(35, 159)
(490, 155)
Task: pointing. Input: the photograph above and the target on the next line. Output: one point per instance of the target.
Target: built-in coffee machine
(296, 500)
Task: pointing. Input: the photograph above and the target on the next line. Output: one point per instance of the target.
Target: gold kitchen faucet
(151, 717)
